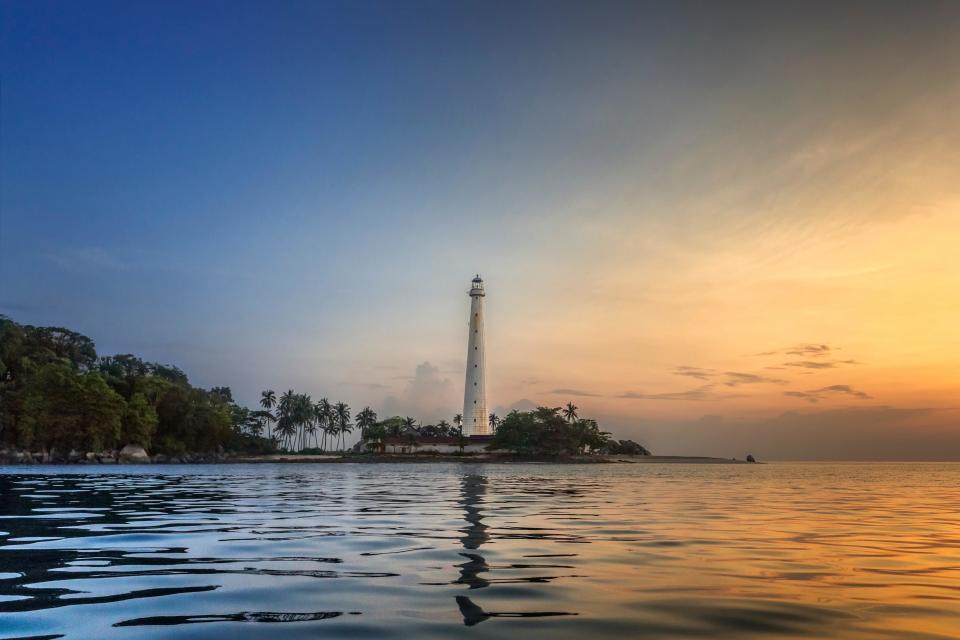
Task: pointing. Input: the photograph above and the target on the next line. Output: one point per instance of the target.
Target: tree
(570, 412)
(286, 422)
(342, 412)
(444, 428)
(324, 415)
(223, 394)
(60, 343)
(268, 400)
(375, 433)
(139, 422)
(545, 431)
(494, 421)
(458, 420)
(64, 410)
(393, 427)
(366, 419)
(410, 425)
(56, 393)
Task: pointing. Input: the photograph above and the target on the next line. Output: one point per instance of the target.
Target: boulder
(134, 454)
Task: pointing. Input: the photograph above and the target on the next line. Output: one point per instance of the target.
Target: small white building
(439, 444)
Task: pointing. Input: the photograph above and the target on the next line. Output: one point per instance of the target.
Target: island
(62, 403)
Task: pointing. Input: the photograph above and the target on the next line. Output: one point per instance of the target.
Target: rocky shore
(130, 454)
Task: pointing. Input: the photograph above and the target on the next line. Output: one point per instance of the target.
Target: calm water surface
(532, 551)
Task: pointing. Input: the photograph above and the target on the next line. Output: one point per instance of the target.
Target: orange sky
(655, 193)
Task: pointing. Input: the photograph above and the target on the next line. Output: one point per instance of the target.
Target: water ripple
(672, 551)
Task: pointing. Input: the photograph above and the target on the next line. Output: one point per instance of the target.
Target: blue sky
(297, 194)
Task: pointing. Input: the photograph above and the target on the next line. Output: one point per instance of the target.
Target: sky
(718, 228)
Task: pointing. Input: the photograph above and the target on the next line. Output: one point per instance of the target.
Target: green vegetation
(57, 395)
(549, 431)
(301, 424)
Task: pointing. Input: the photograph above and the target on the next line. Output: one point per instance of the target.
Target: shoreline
(481, 459)
(35, 459)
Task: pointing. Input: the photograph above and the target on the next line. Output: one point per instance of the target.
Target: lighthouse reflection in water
(475, 534)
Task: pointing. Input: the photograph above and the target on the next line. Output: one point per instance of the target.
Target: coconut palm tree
(305, 418)
(443, 428)
(342, 412)
(324, 413)
(570, 412)
(458, 420)
(285, 410)
(366, 419)
(268, 400)
(286, 430)
(410, 424)
(494, 421)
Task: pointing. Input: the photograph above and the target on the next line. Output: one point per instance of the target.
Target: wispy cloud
(818, 364)
(694, 372)
(815, 395)
(733, 378)
(700, 393)
(810, 350)
(573, 392)
(736, 378)
(85, 258)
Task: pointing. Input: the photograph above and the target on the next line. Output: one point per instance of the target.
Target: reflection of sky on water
(858, 551)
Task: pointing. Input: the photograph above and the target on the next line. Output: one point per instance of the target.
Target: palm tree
(494, 421)
(366, 419)
(458, 419)
(570, 412)
(410, 424)
(286, 428)
(268, 400)
(324, 414)
(285, 410)
(342, 412)
(443, 428)
(305, 418)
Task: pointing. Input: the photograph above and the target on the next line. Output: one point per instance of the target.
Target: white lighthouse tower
(476, 421)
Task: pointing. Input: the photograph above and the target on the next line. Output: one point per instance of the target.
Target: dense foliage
(549, 431)
(56, 394)
(625, 447)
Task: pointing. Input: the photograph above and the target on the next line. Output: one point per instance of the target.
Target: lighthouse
(475, 419)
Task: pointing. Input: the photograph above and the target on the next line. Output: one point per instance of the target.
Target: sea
(436, 550)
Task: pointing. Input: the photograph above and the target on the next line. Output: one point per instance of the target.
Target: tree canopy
(57, 394)
(547, 431)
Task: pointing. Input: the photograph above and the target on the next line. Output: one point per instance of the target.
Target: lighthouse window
(474, 366)
(474, 384)
(474, 402)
